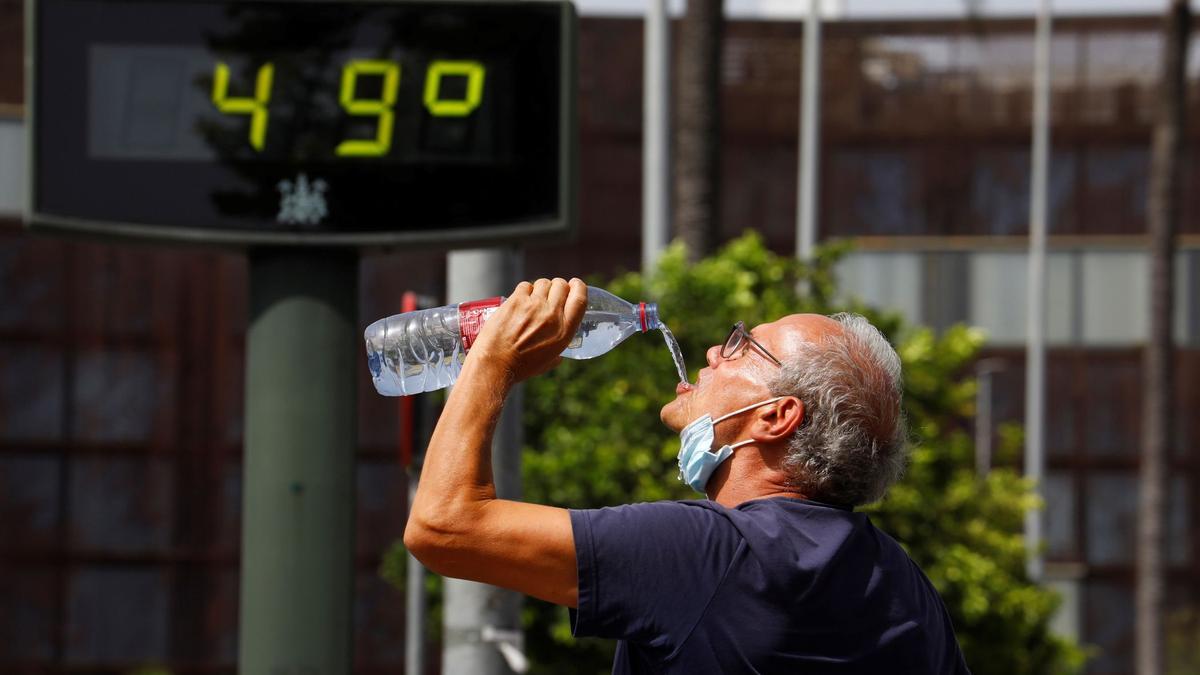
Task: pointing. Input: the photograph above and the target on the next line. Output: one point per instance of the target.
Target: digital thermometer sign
(313, 123)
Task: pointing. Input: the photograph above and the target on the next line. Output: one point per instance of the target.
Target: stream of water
(676, 354)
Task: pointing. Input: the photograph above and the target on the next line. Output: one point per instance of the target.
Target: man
(788, 428)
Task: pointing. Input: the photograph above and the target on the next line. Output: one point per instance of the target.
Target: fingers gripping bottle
(424, 350)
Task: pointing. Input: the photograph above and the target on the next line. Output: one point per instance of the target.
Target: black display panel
(352, 123)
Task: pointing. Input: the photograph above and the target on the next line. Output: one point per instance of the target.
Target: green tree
(1181, 637)
(594, 439)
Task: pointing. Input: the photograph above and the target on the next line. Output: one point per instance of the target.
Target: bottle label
(471, 316)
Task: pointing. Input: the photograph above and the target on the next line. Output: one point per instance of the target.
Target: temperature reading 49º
(257, 105)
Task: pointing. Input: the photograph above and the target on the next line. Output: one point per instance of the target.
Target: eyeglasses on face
(739, 338)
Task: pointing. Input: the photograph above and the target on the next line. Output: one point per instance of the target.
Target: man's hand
(527, 335)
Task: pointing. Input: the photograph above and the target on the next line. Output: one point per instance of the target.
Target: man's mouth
(683, 388)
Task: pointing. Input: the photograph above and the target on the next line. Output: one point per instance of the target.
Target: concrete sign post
(482, 624)
(302, 363)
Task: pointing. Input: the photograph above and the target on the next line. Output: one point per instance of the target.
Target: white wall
(12, 167)
(1095, 297)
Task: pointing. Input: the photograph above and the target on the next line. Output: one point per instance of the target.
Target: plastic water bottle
(424, 350)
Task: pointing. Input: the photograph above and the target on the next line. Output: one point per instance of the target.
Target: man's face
(725, 385)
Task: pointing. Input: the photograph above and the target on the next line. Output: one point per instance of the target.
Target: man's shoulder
(749, 517)
(774, 523)
(656, 511)
(664, 507)
(655, 523)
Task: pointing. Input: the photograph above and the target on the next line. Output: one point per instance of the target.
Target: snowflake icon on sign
(302, 202)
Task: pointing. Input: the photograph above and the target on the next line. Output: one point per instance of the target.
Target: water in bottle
(424, 350)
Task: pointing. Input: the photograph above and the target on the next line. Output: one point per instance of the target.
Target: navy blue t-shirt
(775, 585)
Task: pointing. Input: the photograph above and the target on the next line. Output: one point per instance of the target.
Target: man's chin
(671, 414)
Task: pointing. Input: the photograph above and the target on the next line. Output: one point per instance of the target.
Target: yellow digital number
(255, 107)
(382, 107)
(439, 107)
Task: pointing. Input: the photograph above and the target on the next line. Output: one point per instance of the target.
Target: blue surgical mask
(697, 460)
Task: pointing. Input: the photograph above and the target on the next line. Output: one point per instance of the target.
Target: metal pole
(983, 425)
(656, 136)
(984, 370)
(1035, 366)
(412, 439)
(415, 610)
(810, 111)
(302, 361)
(483, 623)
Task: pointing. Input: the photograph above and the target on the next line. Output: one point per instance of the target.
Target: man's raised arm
(457, 527)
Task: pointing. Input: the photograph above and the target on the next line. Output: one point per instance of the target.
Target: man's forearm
(456, 478)
(458, 528)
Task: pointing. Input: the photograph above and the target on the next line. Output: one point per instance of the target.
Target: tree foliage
(593, 438)
(1182, 636)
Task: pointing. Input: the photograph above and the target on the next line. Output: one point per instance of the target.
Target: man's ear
(779, 421)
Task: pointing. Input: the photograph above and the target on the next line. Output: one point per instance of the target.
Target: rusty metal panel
(378, 624)
(31, 392)
(121, 506)
(27, 616)
(121, 388)
(118, 614)
(30, 488)
(12, 54)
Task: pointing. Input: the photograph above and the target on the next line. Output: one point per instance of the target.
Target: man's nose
(713, 355)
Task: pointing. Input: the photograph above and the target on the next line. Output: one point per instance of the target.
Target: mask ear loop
(749, 407)
(735, 446)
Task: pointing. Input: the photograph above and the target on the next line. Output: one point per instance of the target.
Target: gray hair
(853, 442)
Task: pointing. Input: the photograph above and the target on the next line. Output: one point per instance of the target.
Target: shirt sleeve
(648, 571)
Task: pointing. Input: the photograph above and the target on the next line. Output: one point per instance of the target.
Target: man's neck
(750, 477)
(734, 498)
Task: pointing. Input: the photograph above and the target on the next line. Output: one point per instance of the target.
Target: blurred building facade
(121, 367)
